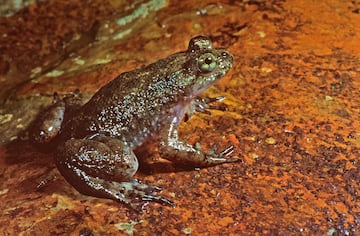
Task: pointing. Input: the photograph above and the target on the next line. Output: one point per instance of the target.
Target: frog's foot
(203, 105)
(135, 194)
(214, 158)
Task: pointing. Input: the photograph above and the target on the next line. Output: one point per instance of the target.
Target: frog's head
(208, 64)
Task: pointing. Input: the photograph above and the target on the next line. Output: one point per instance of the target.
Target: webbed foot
(135, 194)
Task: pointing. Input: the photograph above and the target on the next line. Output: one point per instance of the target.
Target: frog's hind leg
(104, 167)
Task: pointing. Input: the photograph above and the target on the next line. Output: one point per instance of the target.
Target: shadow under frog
(96, 141)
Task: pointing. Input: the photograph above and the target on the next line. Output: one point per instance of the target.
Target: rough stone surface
(293, 113)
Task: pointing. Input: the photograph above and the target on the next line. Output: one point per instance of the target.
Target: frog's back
(133, 105)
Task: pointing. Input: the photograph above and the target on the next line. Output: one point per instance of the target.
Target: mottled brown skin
(97, 141)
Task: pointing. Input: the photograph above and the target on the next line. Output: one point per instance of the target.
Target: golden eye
(207, 62)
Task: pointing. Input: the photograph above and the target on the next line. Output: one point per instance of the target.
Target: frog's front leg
(175, 150)
(103, 167)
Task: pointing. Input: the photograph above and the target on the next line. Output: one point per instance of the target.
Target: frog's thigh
(88, 164)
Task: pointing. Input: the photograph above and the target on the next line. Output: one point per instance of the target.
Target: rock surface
(293, 102)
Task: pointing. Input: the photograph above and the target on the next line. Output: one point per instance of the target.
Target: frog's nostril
(225, 54)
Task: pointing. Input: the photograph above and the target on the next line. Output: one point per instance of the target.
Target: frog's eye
(207, 62)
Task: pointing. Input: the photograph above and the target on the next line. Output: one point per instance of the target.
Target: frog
(97, 141)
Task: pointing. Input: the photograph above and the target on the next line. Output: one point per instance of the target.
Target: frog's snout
(225, 60)
(225, 55)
